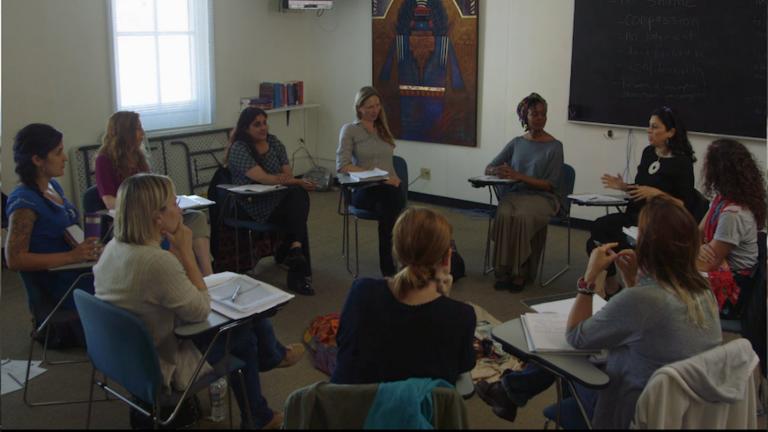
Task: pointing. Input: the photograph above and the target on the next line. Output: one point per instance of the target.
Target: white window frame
(160, 116)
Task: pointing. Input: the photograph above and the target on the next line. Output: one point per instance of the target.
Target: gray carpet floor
(331, 281)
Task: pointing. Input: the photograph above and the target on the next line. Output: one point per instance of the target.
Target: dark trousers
(607, 229)
(291, 215)
(257, 346)
(386, 201)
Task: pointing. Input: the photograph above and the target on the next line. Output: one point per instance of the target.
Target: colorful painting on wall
(425, 67)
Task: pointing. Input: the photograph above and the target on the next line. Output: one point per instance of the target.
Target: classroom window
(162, 61)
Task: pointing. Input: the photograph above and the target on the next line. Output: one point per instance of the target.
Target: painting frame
(425, 65)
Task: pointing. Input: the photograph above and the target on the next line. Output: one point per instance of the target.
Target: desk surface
(487, 180)
(75, 266)
(214, 320)
(572, 366)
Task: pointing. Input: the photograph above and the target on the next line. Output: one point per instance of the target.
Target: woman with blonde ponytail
(406, 326)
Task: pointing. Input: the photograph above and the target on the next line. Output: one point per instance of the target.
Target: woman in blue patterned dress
(256, 156)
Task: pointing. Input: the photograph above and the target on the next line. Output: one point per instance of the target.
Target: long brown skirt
(519, 233)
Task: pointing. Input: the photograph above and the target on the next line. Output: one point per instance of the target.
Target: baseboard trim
(576, 223)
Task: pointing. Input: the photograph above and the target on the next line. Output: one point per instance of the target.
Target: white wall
(56, 60)
(56, 70)
(525, 46)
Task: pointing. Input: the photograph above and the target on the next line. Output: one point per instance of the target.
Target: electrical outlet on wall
(425, 173)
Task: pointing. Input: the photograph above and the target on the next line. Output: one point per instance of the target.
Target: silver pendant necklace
(653, 168)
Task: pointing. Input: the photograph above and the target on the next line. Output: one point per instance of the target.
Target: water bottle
(218, 391)
(92, 225)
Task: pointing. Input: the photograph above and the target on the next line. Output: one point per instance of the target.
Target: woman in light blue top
(534, 162)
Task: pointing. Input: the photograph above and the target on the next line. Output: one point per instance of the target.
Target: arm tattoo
(20, 231)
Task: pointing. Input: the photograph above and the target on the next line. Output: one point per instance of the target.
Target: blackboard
(706, 59)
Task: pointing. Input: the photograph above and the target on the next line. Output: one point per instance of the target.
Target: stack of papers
(256, 188)
(545, 333)
(598, 199)
(193, 201)
(367, 175)
(491, 179)
(238, 296)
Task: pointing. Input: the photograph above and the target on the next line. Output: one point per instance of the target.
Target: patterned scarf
(721, 280)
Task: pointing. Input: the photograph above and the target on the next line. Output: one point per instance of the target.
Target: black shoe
(495, 396)
(503, 285)
(516, 288)
(295, 261)
(281, 253)
(300, 284)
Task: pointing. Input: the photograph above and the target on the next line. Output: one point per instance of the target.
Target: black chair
(345, 201)
(226, 213)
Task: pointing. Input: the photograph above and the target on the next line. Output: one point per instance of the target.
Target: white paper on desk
(491, 179)
(256, 188)
(563, 307)
(253, 296)
(13, 372)
(631, 232)
(545, 333)
(597, 198)
(192, 201)
(364, 175)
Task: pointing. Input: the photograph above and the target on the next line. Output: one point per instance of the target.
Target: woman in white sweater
(165, 287)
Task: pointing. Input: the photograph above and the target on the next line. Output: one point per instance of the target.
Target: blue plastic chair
(567, 183)
(121, 348)
(401, 169)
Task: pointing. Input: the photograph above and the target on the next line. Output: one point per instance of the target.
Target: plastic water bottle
(218, 391)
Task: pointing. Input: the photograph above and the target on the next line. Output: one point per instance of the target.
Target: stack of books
(282, 94)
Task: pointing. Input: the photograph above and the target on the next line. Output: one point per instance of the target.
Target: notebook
(193, 201)
(491, 179)
(238, 296)
(545, 333)
(256, 188)
(367, 175)
(598, 199)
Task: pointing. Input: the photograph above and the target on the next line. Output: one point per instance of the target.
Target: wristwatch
(582, 287)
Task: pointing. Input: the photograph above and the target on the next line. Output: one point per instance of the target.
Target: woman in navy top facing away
(666, 168)
(256, 156)
(364, 145)
(405, 327)
(534, 161)
(39, 215)
(122, 155)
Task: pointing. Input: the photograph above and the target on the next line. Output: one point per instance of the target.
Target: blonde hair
(119, 144)
(667, 249)
(381, 124)
(421, 239)
(138, 198)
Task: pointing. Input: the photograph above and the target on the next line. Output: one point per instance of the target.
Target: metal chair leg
(90, 399)
(357, 252)
(568, 259)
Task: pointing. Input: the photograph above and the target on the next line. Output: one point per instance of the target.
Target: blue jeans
(522, 385)
(257, 346)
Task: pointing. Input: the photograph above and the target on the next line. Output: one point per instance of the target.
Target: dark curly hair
(731, 170)
(525, 105)
(679, 144)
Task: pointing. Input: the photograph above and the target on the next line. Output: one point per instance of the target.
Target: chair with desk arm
(121, 348)
(346, 209)
(226, 214)
(47, 314)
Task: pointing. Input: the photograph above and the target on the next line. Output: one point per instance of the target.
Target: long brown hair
(731, 170)
(381, 124)
(120, 146)
(421, 239)
(667, 248)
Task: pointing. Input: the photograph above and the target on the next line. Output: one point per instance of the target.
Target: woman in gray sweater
(668, 314)
(364, 145)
